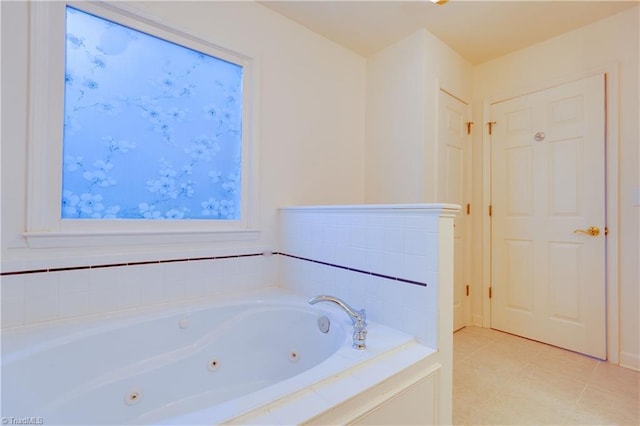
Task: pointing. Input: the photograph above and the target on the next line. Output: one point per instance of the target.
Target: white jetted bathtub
(259, 358)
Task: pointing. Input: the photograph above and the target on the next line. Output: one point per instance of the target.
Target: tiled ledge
(440, 209)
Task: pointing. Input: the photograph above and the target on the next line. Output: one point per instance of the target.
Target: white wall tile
(415, 267)
(415, 323)
(342, 235)
(393, 315)
(102, 280)
(402, 245)
(40, 308)
(385, 245)
(392, 292)
(341, 256)
(102, 301)
(358, 287)
(12, 311)
(375, 309)
(414, 297)
(393, 264)
(416, 240)
(357, 258)
(393, 239)
(13, 285)
(374, 261)
(176, 272)
(375, 237)
(374, 287)
(74, 304)
(130, 294)
(175, 290)
(152, 289)
(37, 297)
(358, 236)
(40, 285)
(74, 281)
(394, 221)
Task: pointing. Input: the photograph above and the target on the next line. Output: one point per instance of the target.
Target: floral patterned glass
(152, 129)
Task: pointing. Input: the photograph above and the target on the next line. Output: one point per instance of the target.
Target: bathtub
(249, 358)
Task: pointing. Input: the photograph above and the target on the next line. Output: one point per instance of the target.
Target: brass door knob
(594, 231)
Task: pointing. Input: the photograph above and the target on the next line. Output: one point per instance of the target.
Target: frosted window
(152, 129)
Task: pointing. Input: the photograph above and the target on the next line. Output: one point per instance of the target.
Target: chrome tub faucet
(359, 319)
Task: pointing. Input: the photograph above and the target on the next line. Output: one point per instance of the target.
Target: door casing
(610, 71)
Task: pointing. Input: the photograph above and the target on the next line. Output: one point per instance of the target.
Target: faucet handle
(360, 331)
(358, 318)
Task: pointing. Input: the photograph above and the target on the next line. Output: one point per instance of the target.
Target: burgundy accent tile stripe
(114, 265)
(174, 260)
(375, 274)
(109, 265)
(70, 268)
(195, 259)
(31, 271)
(144, 262)
(227, 257)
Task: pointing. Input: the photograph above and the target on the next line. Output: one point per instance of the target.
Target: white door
(453, 188)
(547, 191)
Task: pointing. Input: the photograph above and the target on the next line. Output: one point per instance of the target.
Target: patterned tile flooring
(502, 379)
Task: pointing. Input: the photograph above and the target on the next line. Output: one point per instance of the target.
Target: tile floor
(501, 379)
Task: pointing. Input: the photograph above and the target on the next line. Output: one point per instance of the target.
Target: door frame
(610, 72)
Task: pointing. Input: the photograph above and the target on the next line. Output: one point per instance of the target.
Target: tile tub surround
(386, 259)
(47, 294)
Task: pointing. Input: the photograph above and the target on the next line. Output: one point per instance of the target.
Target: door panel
(565, 176)
(519, 264)
(548, 282)
(519, 181)
(564, 280)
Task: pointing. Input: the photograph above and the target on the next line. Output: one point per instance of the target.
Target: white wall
(311, 137)
(312, 113)
(395, 122)
(611, 41)
(403, 81)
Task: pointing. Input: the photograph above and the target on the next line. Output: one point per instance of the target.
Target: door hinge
(469, 124)
(490, 124)
(490, 293)
(490, 210)
(468, 208)
(467, 289)
(606, 231)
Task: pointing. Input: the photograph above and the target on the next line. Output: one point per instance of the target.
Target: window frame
(44, 225)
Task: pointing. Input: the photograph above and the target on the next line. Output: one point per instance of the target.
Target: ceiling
(478, 30)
